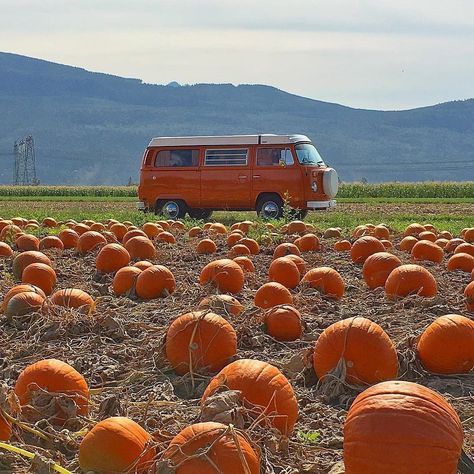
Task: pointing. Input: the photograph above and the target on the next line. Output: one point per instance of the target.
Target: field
(119, 347)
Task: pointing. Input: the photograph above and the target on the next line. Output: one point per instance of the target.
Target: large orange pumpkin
(381, 232)
(167, 237)
(233, 238)
(23, 303)
(90, 241)
(194, 232)
(53, 376)
(283, 323)
(5, 250)
(251, 244)
(469, 235)
(308, 243)
(151, 229)
(27, 242)
(407, 243)
(207, 448)
(72, 298)
(225, 274)
(111, 258)
(22, 260)
(200, 342)
(364, 247)
(296, 227)
(461, 261)
(378, 267)
(125, 280)
(119, 230)
(132, 233)
(263, 388)
(40, 275)
(237, 250)
(364, 348)
(427, 235)
(447, 345)
(272, 294)
(342, 246)
(20, 289)
(326, 280)
(414, 229)
(155, 282)
(465, 248)
(140, 248)
(69, 238)
(285, 249)
(51, 242)
(284, 271)
(453, 244)
(245, 264)
(206, 246)
(401, 428)
(9, 233)
(5, 429)
(427, 250)
(469, 294)
(117, 444)
(143, 264)
(411, 279)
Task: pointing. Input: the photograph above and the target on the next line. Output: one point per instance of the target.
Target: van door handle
(256, 176)
(243, 177)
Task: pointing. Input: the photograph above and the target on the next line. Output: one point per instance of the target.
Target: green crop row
(347, 190)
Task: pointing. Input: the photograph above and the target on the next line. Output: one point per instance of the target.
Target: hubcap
(270, 210)
(171, 209)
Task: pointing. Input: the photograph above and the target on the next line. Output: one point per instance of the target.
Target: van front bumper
(320, 204)
(140, 206)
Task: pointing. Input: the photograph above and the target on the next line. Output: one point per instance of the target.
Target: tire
(171, 208)
(200, 213)
(270, 206)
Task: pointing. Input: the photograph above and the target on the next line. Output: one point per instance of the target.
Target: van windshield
(308, 155)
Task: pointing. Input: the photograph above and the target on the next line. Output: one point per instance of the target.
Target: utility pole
(24, 173)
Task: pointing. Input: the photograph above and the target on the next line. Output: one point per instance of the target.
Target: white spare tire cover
(330, 182)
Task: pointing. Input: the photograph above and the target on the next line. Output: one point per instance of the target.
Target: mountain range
(92, 128)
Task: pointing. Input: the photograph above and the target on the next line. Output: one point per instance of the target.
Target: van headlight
(314, 186)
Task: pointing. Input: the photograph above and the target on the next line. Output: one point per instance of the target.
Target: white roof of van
(228, 140)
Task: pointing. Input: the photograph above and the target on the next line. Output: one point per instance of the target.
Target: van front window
(308, 155)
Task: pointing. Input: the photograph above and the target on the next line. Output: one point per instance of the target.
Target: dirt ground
(118, 349)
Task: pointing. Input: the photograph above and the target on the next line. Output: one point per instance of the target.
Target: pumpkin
(427, 235)
(112, 257)
(468, 235)
(283, 323)
(194, 232)
(298, 261)
(401, 428)
(251, 244)
(143, 264)
(132, 233)
(119, 230)
(453, 244)
(155, 282)
(49, 222)
(178, 226)
(237, 250)
(166, 237)
(411, 279)
(427, 250)
(21, 261)
(72, 298)
(151, 229)
(90, 241)
(27, 242)
(24, 303)
(10, 233)
(308, 243)
(98, 227)
(218, 228)
(225, 274)
(200, 342)
(5, 250)
(387, 244)
(364, 247)
(5, 429)
(284, 271)
(69, 238)
(447, 345)
(263, 388)
(332, 233)
(233, 238)
(272, 294)
(342, 246)
(414, 229)
(326, 280)
(81, 228)
(51, 242)
(364, 348)
(381, 232)
(140, 248)
(441, 243)
(164, 224)
(445, 235)
(225, 305)
(245, 226)
(430, 228)
(40, 275)
(125, 280)
(461, 261)
(116, 444)
(378, 267)
(465, 248)
(245, 264)
(296, 227)
(285, 249)
(212, 448)
(407, 243)
(20, 289)
(55, 377)
(469, 294)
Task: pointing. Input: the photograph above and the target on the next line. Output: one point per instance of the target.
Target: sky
(378, 54)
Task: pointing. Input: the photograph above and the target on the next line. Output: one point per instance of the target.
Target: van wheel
(270, 206)
(172, 209)
(200, 213)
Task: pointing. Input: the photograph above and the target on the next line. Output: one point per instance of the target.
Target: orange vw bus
(198, 175)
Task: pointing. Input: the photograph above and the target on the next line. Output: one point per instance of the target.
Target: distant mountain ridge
(92, 128)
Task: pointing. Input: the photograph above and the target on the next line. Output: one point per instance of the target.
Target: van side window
(177, 158)
(274, 157)
(226, 157)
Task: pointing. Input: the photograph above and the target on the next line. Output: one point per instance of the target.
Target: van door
(225, 178)
(276, 170)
